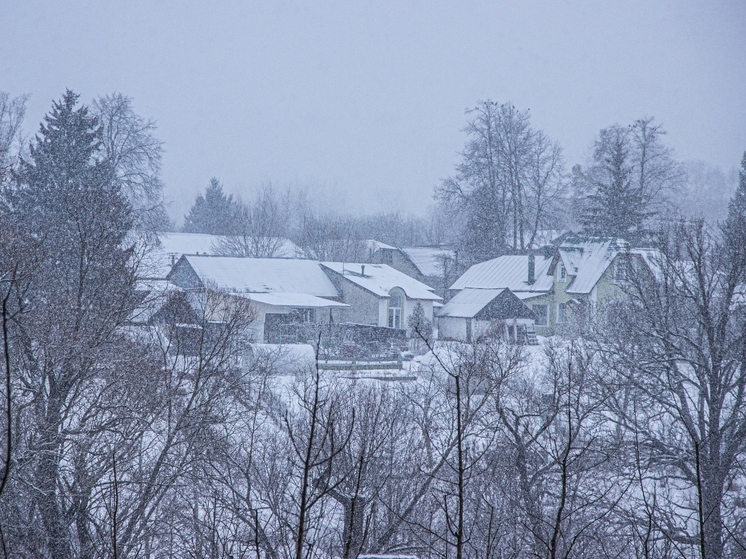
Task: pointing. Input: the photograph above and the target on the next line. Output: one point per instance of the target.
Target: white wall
(452, 328)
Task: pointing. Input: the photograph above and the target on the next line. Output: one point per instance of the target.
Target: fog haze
(364, 102)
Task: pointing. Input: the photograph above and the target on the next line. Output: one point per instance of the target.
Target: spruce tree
(67, 196)
(214, 213)
(68, 207)
(615, 206)
(628, 181)
(734, 228)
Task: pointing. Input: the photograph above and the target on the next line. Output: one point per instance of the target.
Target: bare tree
(12, 112)
(677, 346)
(135, 154)
(563, 450)
(508, 175)
(330, 237)
(261, 227)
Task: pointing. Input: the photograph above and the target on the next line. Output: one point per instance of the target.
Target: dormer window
(562, 273)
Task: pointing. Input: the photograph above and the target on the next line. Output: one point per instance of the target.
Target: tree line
(511, 192)
(125, 436)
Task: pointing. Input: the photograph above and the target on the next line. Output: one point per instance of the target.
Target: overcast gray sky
(365, 100)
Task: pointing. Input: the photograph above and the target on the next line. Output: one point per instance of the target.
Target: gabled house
(589, 271)
(281, 290)
(287, 293)
(378, 294)
(476, 312)
(578, 275)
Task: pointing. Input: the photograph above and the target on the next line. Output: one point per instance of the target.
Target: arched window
(396, 308)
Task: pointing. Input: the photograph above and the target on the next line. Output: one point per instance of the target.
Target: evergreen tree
(626, 184)
(66, 193)
(214, 213)
(734, 228)
(615, 207)
(420, 328)
(67, 211)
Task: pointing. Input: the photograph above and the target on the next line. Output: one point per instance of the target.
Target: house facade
(289, 293)
(379, 295)
(558, 285)
(281, 290)
(526, 276)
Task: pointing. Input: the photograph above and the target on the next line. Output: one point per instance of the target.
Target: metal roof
(468, 302)
(292, 300)
(428, 260)
(510, 272)
(586, 260)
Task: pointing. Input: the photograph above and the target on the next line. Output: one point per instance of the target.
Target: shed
(474, 312)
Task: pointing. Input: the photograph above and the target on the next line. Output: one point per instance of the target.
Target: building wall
(607, 288)
(548, 300)
(481, 327)
(367, 308)
(560, 296)
(457, 328)
(364, 305)
(383, 312)
(451, 328)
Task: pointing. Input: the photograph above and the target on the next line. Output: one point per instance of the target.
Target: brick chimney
(531, 269)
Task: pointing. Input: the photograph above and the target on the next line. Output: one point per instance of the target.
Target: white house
(298, 289)
(378, 294)
(306, 291)
(434, 266)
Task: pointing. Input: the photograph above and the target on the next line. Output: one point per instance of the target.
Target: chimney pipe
(531, 269)
(362, 270)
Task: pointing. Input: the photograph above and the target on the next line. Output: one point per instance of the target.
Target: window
(396, 308)
(561, 313)
(562, 273)
(541, 312)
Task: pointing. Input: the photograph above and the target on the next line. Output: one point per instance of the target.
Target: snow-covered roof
(159, 260)
(468, 302)
(263, 275)
(510, 272)
(588, 259)
(154, 294)
(374, 245)
(380, 279)
(292, 300)
(428, 260)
